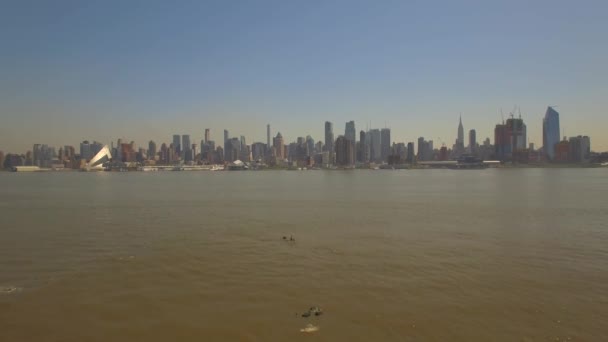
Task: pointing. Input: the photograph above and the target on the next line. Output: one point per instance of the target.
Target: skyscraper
(207, 136)
(385, 137)
(375, 146)
(85, 150)
(268, 135)
(151, 150)
(460, 140)
(176, 144)
(278, 145)
(579, 149)
(232, 149)
(550, 132)
(517, 134)
(350, 133)
(310, 146)
(502, 144)
(329, 140)
(344, 152)
(37, 154)
(225, 135)
(472, 141)
(258, 151)
(410, 152)
(186, 147)
(363, 147)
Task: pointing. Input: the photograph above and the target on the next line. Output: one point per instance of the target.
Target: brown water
(440, 255)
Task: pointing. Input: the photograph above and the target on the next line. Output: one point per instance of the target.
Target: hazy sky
(141, 70)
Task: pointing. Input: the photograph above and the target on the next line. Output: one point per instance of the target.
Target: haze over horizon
(144, 70)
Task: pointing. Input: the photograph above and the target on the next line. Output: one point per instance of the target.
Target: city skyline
(146, 73)
(208, 135)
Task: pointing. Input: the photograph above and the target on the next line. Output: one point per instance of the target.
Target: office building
(410, 152)
(385, 149)
(176, 144)
(344, 152)
(579, 149)
(363, 148)
(279, 147)
(551, 132)
(375, 146)
(151, 150)
(258, 151)
(207, 136)
(329, 140)
(85, 150)
(472, 141)
(186, 147)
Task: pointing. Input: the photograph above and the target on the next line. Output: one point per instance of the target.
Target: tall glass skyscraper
(550, 132)
(329, 139)
(385, 137)
(349, 132)
(176, 143)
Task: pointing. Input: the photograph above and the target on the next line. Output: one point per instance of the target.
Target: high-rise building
(579, 149)
(329, 140)
(363, 152)
(375, 145)
(502, 143)
(460, 140)
(37, 154)
(410, 152)
(207, 136)
(458, 149)
(85, 150)
(193, 152)
(245, 153)
(550, 132)
(225, 136)
(319, 146)
(385, 137)
(517, 134)
(127, 152)
(425, 150)
(310, 146)
(186, 147)
(268, 135)
(472, 141)
(279, 146)
(164, 154)
(258, 151)
(151, 150)
(1, 159)
(344, 152)
(350, 133)
(176, 144)
(232, 149)
(443, 153)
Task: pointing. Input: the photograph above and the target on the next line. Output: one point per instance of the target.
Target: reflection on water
(388, 255)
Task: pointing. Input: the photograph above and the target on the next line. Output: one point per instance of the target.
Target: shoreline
(379, 168)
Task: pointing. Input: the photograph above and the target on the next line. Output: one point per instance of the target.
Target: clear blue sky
(141, 70)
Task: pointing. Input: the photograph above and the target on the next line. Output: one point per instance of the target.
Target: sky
(144, 70)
